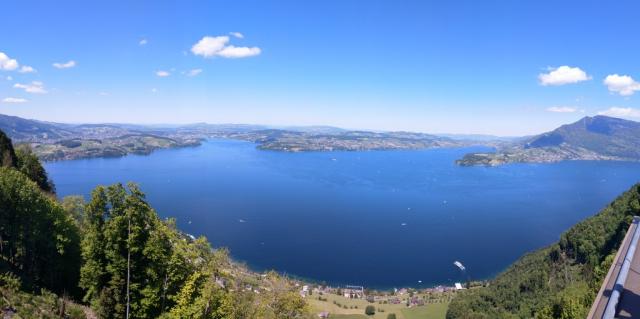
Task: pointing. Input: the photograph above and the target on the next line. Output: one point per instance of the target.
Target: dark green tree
(129, 260)
(7, 153)
(28, 164)
(93, 274)
(38, 239)
(74, 206)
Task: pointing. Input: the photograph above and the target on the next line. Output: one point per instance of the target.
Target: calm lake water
(379, 218)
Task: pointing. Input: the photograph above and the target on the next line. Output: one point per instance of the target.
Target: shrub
(370, 311)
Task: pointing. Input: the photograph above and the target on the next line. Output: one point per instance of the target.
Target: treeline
(559, 281)
(115, 255)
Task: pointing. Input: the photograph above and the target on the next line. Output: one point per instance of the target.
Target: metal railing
(612, 304)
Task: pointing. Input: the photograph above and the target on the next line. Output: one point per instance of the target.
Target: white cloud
(237, 35)
(7, 63)
(238, 52)
(27, 69)
(143, 42)
(621, 112)
(35, 87)
(65, 65)
(563, 75)
(194, 72)
(562, 109)
(209, 46)
(218, 46)
(163, 74)
(621, 84)
(14, 100)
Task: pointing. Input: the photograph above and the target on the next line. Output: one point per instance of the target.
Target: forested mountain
(591, 138)
(559, 281)
(115, 255)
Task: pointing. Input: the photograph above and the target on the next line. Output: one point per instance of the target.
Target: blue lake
(380, 218)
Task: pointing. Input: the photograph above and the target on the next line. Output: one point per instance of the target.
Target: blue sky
(494, 67)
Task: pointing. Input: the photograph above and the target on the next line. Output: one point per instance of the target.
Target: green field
(354, 308)
(437, 310)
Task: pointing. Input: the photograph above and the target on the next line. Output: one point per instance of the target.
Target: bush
(11, 281)
(370, 311)
(391, 316)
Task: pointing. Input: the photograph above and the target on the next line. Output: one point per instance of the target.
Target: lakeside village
(327, 301)
(409, 296)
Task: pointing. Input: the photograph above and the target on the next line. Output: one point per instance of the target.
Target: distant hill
(20, 129)
(296, 141)
(590, 138)
(57, 141)
(481, 137)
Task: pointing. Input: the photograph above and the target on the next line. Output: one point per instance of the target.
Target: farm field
(345, 308)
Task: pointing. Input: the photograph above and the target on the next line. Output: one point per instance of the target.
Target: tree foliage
(7, 153)
(171, 275)
(28, 163)
(38, 239)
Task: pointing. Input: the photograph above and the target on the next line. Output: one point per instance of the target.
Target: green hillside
(559, 281)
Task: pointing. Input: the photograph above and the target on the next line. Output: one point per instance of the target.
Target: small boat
(459, 265)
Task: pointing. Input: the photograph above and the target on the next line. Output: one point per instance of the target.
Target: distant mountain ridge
(55, 141)
(591, 138)
(21, 129)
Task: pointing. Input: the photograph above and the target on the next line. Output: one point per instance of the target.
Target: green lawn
(430, 311)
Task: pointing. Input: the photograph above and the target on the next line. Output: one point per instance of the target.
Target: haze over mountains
(55, 141)
(591, 138)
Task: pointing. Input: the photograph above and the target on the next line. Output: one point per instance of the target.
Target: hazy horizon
(285, 127)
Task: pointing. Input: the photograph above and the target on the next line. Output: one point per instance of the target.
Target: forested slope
(559, 281)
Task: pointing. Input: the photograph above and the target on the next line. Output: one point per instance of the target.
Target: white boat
(459, 265)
